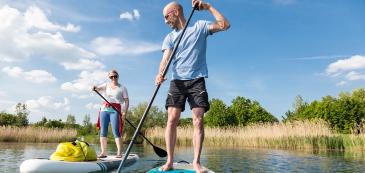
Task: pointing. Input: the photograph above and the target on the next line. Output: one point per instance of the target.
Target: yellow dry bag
(76, 151)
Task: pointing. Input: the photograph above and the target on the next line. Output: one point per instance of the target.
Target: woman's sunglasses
(112, 77)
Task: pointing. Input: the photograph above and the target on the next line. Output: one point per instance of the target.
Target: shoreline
(303, 135)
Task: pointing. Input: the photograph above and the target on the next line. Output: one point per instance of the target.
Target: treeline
(20, 119)
(345, 114)
(241, 112)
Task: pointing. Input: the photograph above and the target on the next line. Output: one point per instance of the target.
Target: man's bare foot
(166, 167)
(198, 168)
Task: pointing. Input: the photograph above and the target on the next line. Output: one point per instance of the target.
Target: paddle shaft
(154, 94)
(125, 118)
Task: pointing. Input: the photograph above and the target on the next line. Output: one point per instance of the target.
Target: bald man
(189, 70)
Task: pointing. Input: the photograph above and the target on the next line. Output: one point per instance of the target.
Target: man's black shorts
(193, 90)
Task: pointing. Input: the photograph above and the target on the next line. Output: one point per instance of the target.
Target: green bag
(76, 151)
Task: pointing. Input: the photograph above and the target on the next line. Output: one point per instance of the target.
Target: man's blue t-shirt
(189, 61)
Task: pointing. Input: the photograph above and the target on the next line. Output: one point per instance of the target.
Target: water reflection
(219, 159)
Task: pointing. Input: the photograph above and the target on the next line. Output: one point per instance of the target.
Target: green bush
(346, 114)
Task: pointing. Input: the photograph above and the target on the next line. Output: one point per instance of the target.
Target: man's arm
(163, 63)
(220, 24)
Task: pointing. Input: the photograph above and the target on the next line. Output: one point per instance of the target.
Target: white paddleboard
(100, 165)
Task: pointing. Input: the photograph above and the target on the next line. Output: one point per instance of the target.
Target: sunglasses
(113, 77)
(168, 14)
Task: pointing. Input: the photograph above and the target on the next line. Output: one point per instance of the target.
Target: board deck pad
(179, 168)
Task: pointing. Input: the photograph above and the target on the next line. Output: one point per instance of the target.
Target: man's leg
(170, 135)
(198, 136)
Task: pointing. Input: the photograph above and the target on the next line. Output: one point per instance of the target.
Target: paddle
(154, 93)
(160, 152)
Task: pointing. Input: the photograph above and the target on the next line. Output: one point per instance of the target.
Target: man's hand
(159, 79)
(201, 5)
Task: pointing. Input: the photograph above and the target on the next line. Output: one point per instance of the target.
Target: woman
(116, 94)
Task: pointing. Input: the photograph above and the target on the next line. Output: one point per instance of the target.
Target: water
(218, 159)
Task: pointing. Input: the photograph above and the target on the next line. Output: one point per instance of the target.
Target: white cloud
(3, 94)
(127, 16)
(30, 34)
(85, 82)
(13, 72)
(353, 63)
(47, 103)
(92, 106)
(349, 69)
(114, 46)
(355, 76)
(35, 76)
(35, 17)
(135, 15)
(341, 83)
(83, 64)
(80, 96)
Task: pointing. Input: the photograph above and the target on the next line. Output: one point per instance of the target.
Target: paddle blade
(160, 152)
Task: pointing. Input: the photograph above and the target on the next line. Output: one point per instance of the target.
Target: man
(189, 69)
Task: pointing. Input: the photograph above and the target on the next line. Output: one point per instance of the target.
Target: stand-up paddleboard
(180, 167)
(54, 166)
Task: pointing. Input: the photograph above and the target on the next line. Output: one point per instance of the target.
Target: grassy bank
(35, 134)
(295, 135)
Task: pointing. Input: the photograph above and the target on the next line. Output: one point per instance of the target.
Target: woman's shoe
(102, 156)
(118, 156)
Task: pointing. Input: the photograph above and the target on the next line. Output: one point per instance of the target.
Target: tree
(55, 124)
(71, 121)
(87, 127)
(250, 112)
(185, 122)
(154, 118)
(259, 114)
(21, 115)
(41, 123)
(240, 108)
(218, 115)
(7, 119)
(345, 114)
(298, 106)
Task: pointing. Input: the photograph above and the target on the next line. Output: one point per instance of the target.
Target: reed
(293, 135)
(35, 134)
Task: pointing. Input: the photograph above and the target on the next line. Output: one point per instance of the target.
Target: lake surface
(218, 159)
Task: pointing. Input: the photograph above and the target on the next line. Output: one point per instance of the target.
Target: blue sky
(52, 52)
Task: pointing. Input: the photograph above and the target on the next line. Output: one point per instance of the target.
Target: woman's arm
(101, 87)
(126, 106)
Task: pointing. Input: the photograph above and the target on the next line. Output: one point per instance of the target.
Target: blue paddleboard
(181, 167)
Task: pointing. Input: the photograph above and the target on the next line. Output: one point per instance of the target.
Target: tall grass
(294, 135)
(35, 134)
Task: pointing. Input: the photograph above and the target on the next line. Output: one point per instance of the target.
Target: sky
(52, 52)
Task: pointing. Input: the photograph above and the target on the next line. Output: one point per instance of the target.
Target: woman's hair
(113, 71)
